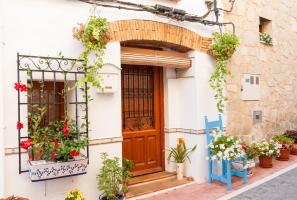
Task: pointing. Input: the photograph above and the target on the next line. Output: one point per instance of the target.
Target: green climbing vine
(224, 45)
(93, 37)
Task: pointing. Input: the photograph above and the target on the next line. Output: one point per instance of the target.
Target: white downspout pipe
(2, 127)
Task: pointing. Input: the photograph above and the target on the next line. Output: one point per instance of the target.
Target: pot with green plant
(293, 135)
(286, 144)
(265, 38)
(75, 194)
(111, 179)
(180, 154)
(266, 151)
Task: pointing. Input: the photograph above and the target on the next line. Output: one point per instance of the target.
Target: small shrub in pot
(111, 180)
(286, 145)
(266, 151)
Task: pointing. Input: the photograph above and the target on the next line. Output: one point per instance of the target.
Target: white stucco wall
(44, 27)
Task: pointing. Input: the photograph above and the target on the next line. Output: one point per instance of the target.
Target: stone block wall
(276, 64)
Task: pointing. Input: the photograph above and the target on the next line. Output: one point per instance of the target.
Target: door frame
(162, 119)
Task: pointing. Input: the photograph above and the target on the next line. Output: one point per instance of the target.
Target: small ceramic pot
(284, 155)
(180, 171)
(265, 161)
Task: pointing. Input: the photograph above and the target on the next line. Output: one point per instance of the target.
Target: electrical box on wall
(250, 87)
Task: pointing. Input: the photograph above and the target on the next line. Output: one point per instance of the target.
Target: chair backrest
(209, 125)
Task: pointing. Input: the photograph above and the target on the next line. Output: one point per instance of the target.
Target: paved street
(282, 187)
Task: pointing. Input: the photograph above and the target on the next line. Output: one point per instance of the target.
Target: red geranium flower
(66, 129)
(26, 144)
(23, 88)
(17, 85)
(20, 87)
(19, 125)
(56, 143)
(244, 147)
(74, 153)
(53, 155)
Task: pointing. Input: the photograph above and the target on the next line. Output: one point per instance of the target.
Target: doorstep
(151, 183)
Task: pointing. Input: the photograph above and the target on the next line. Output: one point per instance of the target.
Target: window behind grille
(50, 95)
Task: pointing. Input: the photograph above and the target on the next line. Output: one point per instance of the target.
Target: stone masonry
(276, 64)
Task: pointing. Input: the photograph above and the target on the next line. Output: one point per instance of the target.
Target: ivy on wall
(224, 45)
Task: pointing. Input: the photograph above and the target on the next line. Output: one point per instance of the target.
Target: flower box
(42, 170)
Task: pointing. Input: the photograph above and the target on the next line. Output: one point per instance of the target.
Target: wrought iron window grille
(54, 70)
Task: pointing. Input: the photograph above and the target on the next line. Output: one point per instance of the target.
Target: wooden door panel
(141, 118)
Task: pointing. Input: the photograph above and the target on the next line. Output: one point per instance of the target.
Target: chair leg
(245, 176)
(228, 175)
(209, 171)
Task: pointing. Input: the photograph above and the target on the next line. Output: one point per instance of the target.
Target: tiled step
(150, 177)
(154, 186)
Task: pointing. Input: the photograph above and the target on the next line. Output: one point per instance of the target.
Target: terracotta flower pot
(37, 154)
(284, 155)
(265, 161)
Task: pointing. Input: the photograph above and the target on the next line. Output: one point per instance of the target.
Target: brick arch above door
(147, 30)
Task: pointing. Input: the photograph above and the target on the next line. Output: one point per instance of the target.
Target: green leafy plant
(180, 153)
(251, 151)
(75, 194)
(265, 38)
(224, 45)
(291, 134)
(111, 178)
(127, 167)
(93, 37)
(286, 142)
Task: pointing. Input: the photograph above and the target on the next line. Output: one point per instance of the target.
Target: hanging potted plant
(223, 47)
(266, 151)
(111, 179)
(251, 154)
(180, 154)
(286, 144)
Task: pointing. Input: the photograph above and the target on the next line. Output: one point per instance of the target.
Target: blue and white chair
(227, 171)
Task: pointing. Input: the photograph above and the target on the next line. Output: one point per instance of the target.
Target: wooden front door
(142, 118)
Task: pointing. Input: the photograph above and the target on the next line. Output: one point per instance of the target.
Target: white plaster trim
(14, 150)
(161, 191)
(257, 183)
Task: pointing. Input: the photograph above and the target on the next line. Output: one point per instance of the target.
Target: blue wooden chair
(227, 172)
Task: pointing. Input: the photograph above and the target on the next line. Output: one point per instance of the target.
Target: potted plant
(293, 135)
(111, 179)
(127, 167)
(266, 151)
(180, 154)
(265, 38)
(286, 145)
(251, 154)
(226, 147)
(75, 194)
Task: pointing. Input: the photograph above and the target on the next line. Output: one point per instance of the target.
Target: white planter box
(238, 165)
(42, 170)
